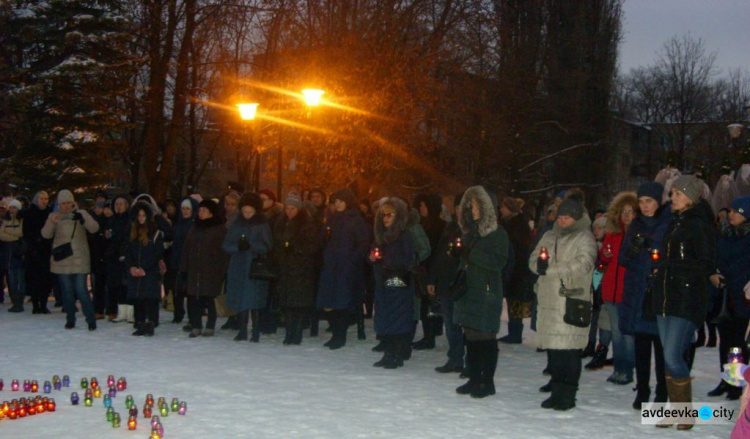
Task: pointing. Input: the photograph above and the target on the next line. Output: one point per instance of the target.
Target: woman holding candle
(70, 255)
(569, 268)
(485, 252)
(680, 295)
(204, 265)
(733, 273)
(636, 254)
(144, 252)
(249, 237)
(296, 249)
(620, 216)
(342, 284)
(393, 255)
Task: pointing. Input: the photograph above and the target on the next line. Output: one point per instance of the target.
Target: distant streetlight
(312, 96)
(247, 111)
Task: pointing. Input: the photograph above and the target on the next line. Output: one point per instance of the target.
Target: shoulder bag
(577, 311)
(64, 251)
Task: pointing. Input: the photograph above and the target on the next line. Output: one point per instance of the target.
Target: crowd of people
(653, 274)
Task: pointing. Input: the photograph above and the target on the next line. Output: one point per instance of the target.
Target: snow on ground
(267, 390)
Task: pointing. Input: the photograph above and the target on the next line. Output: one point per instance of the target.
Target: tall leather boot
(682, 390)
(242, 319)
(340, 326)
(428, 340)
(397, 345)
(388, 350)
(255, 315)
(489, 353)
(473, 369)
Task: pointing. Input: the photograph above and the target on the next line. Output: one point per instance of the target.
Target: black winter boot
(288, 329)
(298, 328)
(242, 319)
(255, 338)
(566, 396)
(488, 352)
(428, 341)
(589, 350)
(380, 347)
(397, 345)
(141, 329)
(314, 323)
(515, 331)
(340, 326)
(361, 324)
(643, 393)
(721, 389)
(600, 356)
(385, 341)
(473, 369)
(149, 329)
(231, 323)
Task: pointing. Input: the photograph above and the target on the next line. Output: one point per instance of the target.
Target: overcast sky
(724, 25)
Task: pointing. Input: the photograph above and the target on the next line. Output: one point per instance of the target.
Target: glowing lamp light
(133, 412)
(51, 406)
(31, 409)
(543, 254)
(121, 385)
(57, 385)
(22, 411)
(312, 96)
(107, 401)
(88, 402)
(164, 410)
(112, 392)
(247, 111)
(66, 381)
(14, 385)
(149, 399)
(84, 383)
(116, 420)
(154, 435)
(154, 421)
(147, 411)
(110, 414)
(13, 414)
(34, 386)
(161, 401)
(26, 386)
(175, 404)
(458, 243)
(55, 379)
(74, 399)
(132, 423)
(183, 408)
(128, 401)
(94, 383)
(47, 387)
(655, 256)
(376, 253)
(110, 381)
(98, 392)
(735, 355)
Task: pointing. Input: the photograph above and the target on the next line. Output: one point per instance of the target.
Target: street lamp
(312, 96)
(247, 113)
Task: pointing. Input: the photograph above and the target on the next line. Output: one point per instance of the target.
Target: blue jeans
(605, 335)
(16, 285)
(676, 335)
(623, 346)
(73, 287)
(453, 332)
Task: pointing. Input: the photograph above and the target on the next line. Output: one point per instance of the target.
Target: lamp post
(247, 113)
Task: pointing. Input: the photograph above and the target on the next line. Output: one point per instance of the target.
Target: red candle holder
(655, 256)
(543, 254)
(132, 423)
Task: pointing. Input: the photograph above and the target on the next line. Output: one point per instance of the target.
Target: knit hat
(740, 205)
(511, 204)
(16, 204)
(269, 193)
(347, 196)
(571, 208)
(186, 204)
(651, 189)
(293, 199)
(600, 222)
(210, 205)
(690, 186)
(65, 196)
(251, 199)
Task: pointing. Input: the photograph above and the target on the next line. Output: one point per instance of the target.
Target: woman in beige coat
(572, 252)
(68, 225)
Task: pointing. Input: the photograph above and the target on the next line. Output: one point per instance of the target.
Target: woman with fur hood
(392, 256)
(621, 213)
(203, 266)
(249, 237)
(38, 277)
(485, 253)
(342, 283)
(144, 253)
(572, 249)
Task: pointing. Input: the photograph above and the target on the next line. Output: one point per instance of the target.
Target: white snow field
(268, 390)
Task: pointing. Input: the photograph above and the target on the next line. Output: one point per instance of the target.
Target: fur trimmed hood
(138, 205)
(622, 199)
(400, 223)
(146, 198)
(487, 212)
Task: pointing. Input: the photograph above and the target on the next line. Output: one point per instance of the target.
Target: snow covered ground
(267, 390)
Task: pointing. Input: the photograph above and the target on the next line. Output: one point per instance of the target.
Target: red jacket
(614, 275)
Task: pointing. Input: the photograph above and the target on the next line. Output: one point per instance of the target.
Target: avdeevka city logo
(705, 413)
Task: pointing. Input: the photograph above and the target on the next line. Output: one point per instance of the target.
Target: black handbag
(458, 287)
(261, 269)
(64, 251)
(577, 311)
(725, 313)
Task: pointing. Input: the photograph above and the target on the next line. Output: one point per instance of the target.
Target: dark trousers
(179, 303)
(196, 305)
(38, 285)
(643, 344)
(99, 281)
(564, 366)
(146, 310)
(732, 335)
(454, 333)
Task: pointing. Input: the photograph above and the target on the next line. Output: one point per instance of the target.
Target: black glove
(243, 245)
(78, 217)
(637, 244)
(541, 266)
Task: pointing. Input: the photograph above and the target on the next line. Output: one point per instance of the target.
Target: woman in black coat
(117, 236)
(680, 296)
(733, 273)
(393, 255)
(296, 251)
(144, 252)
(38, 277)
